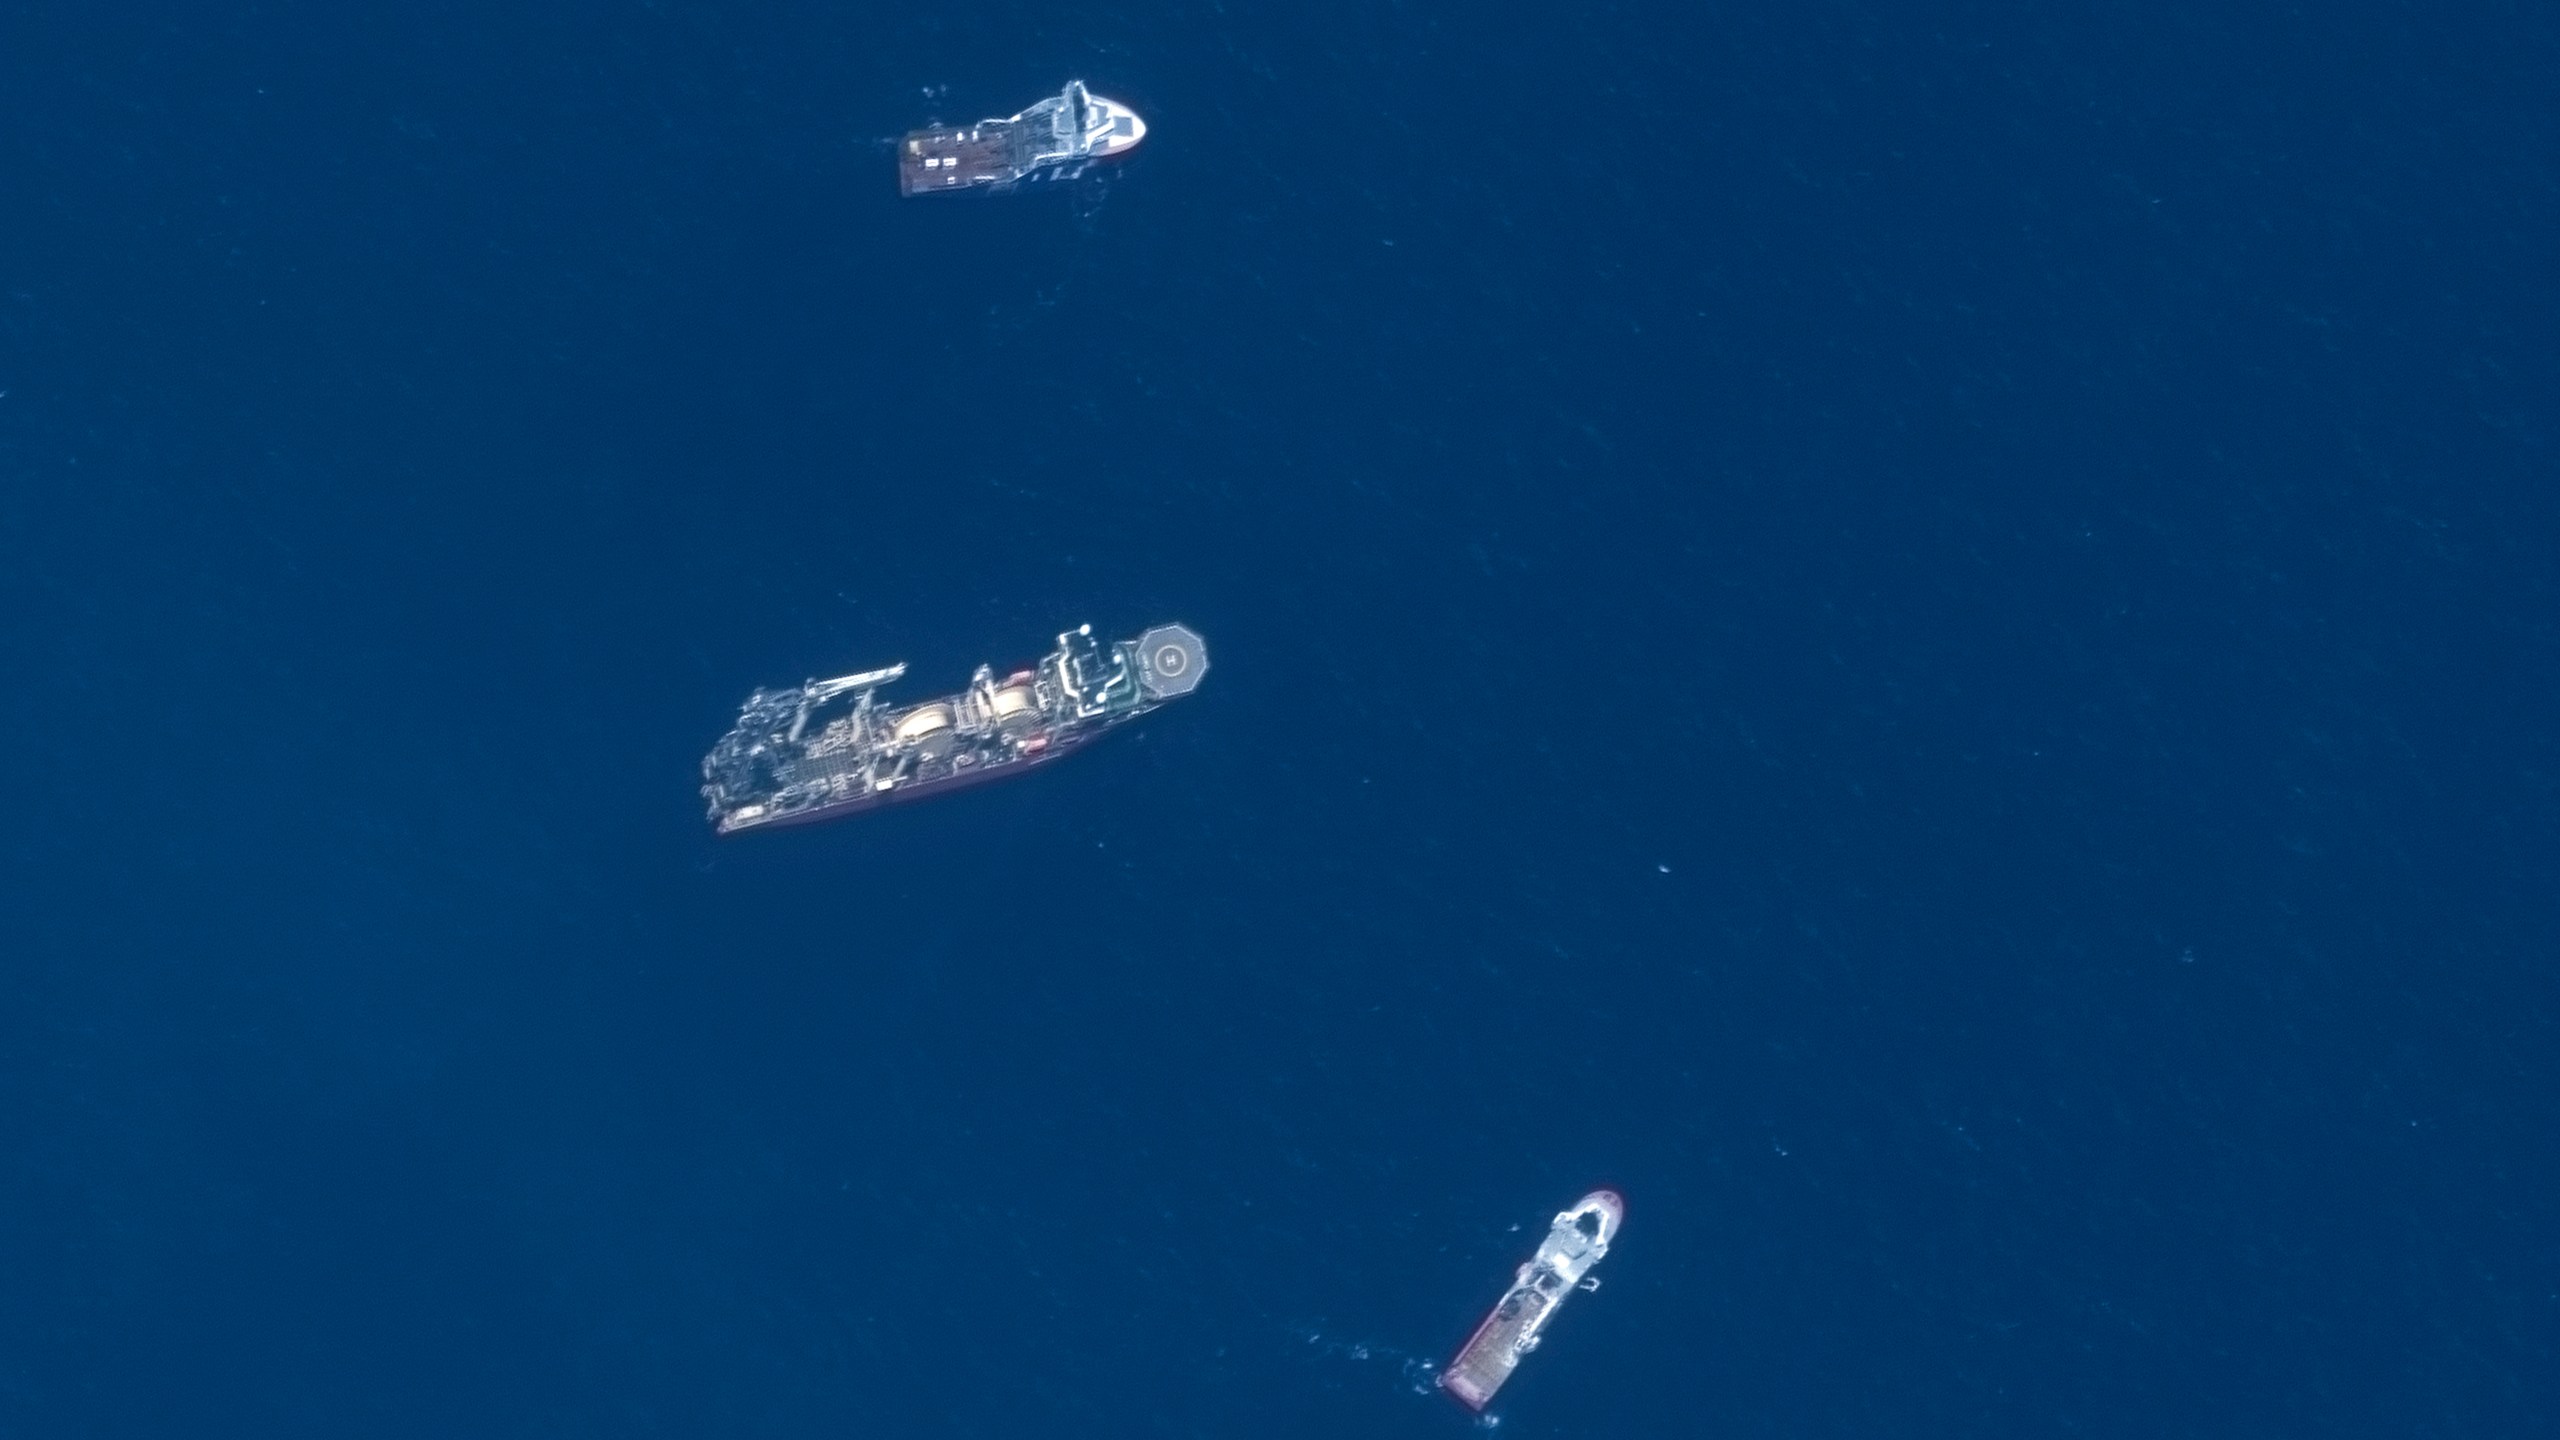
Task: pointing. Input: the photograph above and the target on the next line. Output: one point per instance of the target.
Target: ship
(1058, 139)
(1575, 1243)
(827, 748)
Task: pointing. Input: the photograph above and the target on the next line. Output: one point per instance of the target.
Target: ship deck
(936, 160)
(1494, 1350)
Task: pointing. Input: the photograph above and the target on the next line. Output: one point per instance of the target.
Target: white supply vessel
(1575, 1243)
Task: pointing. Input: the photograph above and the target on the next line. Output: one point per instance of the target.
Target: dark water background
(1924, 638)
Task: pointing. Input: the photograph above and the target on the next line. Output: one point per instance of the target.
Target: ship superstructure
(1057, 139)
(829, 747)
(1575, 1243)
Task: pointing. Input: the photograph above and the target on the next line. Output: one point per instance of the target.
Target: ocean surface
(1923, 638)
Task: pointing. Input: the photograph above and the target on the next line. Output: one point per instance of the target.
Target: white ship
(1575, 1243)
(1057, 139)
(825, 748)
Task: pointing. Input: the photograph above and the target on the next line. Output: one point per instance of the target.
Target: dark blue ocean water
(1924, 639)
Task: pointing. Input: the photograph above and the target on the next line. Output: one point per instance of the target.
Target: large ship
(1057, 139)
(828, 747)
(1575, 1243)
